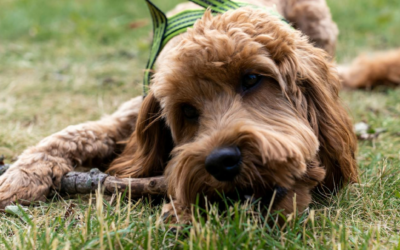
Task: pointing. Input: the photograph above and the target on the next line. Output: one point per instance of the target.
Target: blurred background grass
(363, 24)
(64, 62)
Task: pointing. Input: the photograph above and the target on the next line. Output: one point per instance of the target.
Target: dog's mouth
(257, 189)
(267, 198)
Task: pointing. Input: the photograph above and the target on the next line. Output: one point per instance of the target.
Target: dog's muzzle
(224, 163)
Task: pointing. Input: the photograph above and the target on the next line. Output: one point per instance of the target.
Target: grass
(64, 62)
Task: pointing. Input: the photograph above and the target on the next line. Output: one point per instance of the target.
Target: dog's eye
(190, 112)
(250, 80)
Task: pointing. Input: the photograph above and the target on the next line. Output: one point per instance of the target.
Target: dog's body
(241, 103)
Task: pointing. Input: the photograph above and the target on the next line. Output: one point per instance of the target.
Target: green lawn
(65, 62)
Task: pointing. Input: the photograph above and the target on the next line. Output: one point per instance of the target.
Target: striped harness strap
(164, 29)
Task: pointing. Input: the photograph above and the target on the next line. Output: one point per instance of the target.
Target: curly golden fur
(370, 71)
(293, 134)
(292, 131)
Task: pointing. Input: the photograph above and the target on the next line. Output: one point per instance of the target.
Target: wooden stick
(87, 182)
(3, 167)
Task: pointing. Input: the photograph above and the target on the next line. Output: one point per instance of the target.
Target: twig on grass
(87, 182)
(3, 167)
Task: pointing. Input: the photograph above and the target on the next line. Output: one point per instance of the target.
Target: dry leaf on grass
(366, 132)
(70, 210)
(138, 24)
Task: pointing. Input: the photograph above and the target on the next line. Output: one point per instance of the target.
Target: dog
(241, 103)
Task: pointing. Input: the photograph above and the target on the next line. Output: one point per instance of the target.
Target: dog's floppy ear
(313, 86)
(147, 150)
(319, 84)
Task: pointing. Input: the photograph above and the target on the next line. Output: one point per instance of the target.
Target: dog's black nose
(224, 163)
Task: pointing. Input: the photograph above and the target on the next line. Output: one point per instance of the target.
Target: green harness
(164, 29)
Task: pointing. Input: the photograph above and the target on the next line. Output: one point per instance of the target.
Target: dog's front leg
(40, 168)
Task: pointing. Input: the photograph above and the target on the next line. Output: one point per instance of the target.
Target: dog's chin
(253, 188)
(266, 198)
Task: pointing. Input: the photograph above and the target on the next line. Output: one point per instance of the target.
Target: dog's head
(249, 105)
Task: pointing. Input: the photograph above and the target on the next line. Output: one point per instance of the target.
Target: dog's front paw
(29, 181)
(174, 213)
